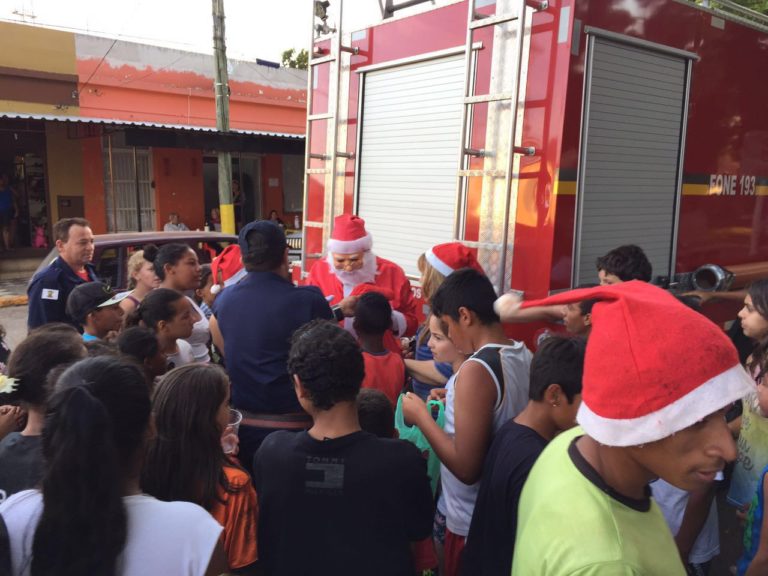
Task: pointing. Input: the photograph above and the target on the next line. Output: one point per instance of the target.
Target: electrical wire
(153, 71)
(99, 64)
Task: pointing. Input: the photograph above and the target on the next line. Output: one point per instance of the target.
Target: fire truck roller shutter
(629, 167)
(408, 153)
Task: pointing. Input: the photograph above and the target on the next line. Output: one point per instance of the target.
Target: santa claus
(350, 268)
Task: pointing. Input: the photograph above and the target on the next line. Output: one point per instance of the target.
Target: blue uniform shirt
(257, 317)
(49, 290)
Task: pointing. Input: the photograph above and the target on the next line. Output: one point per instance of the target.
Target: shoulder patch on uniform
(49, 294)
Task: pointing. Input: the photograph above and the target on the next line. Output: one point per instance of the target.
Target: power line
(153, 71)
(99, 64)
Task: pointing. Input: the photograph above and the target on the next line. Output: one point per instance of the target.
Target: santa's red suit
(350, 237)
(389, 277)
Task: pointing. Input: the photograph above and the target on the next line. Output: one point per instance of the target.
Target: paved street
(13, 287)
(14, 320)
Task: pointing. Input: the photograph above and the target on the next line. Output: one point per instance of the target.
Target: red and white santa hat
(227, 268)
(653, 366)
(451, 256)
(349, 235)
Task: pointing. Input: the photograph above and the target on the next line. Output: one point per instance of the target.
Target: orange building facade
(124, 133)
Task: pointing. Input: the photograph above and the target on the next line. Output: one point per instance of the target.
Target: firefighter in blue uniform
(50, 287)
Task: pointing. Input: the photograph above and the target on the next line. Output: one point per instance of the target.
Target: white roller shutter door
(409, 153)
(629, 168)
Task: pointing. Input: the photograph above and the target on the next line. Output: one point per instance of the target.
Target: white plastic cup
(229, 439)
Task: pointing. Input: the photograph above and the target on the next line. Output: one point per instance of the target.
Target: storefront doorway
(22, 158)
(246, 175)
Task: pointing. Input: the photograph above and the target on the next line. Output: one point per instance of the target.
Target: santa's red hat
(227, 268)
(451, 256)
(349, 235)
(653, 366)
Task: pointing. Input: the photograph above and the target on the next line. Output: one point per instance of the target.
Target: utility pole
(221, 89)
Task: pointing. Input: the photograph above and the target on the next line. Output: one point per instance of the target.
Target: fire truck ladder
(506, 154)
(330, 156)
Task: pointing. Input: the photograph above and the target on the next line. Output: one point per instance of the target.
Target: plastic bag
(413, 435)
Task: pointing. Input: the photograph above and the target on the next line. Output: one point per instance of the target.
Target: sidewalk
(13, 292)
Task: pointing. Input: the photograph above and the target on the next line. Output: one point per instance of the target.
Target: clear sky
(254, 28)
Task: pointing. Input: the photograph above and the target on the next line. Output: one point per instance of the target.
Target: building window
(128, 189)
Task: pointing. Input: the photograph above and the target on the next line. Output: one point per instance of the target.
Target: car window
(108, 266)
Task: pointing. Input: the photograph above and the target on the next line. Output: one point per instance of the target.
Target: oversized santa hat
(653, 366)
(451, 256)
(227, 268)
(349, 235)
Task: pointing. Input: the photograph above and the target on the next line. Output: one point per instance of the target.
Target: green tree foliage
(756, 5)
(300, 60)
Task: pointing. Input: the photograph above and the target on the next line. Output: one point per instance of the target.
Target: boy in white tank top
(490, 388)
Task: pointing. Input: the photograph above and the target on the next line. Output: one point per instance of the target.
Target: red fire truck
(544, 133)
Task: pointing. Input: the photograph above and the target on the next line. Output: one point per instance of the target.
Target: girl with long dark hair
(90, 516)
(754, 323)
(179, 269)
(45, 349)
(170, 315)
(752, 448)
(186, 460)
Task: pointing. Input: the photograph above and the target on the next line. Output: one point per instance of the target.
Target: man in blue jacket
(50, 287)
(252, 324)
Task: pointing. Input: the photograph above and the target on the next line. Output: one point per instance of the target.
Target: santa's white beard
(351, 279)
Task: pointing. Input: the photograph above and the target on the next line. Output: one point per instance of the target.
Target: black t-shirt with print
(349, 505)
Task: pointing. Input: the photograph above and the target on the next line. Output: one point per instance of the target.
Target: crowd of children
(113, 457)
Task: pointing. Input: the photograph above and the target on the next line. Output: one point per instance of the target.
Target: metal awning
(157, 134)
(140, 124)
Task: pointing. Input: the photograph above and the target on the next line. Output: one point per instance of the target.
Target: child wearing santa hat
(435, 265)
(653, 406)
(226, 269)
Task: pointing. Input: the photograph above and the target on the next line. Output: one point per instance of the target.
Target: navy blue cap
(259, 239)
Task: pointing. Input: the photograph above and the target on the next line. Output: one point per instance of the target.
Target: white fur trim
(507, 305)
(437, 264)
(710, 397)
(350, 246)
(399, 323)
